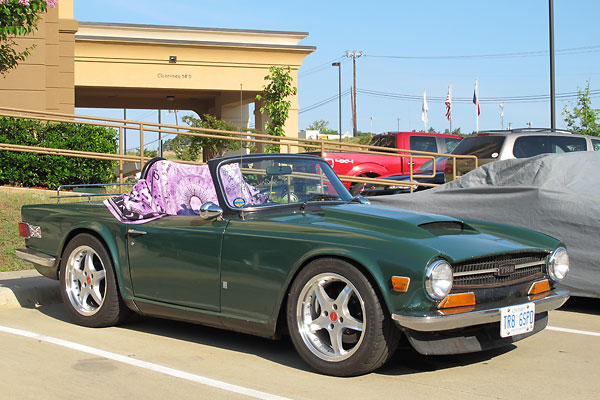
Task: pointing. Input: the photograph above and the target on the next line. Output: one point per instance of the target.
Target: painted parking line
(145, 365)
(567, 330)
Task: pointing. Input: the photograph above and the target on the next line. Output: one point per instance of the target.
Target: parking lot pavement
(157, 359)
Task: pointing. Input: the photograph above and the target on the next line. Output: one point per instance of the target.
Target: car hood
(455, 238)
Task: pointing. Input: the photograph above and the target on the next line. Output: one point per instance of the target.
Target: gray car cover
(558, 194)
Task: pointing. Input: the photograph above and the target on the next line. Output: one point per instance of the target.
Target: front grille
(494, 271)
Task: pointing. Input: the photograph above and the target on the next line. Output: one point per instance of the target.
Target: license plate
(518, 319)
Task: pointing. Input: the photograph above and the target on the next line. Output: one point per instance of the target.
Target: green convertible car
(273, 244)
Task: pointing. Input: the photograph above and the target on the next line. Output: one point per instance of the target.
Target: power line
(320, 67)
(510, 99)
(568, 51)
(440, 99)
(323, 102)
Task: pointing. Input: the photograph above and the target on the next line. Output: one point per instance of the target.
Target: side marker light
(400, 283)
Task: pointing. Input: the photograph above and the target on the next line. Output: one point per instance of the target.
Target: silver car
(491, 146)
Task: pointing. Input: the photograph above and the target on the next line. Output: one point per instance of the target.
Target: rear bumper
(45, 264)
(478, 315)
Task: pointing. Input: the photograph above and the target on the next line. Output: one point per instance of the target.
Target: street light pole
(339, 65)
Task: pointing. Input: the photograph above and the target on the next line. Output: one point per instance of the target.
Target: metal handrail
(291, 143)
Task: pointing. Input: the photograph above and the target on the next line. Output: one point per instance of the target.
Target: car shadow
(583, 305)
(406, 361)
(31, 291)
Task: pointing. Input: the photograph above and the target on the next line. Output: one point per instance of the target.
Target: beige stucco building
(105, 65)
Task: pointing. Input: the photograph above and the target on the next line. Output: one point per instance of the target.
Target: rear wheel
(336, 321)
(88, 283)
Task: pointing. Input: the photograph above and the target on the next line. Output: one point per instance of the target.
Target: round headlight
(558, 264)
(438, 279)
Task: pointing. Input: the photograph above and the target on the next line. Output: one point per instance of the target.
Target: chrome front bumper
(488, 313)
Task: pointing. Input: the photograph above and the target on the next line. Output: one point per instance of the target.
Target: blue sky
(384, 30)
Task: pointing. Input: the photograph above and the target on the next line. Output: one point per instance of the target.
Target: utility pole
(502, 116)
(552, 94)
(398, 124)
(354, 54)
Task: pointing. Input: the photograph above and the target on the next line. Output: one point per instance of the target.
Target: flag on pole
(449, 103)
(424, 109)
(476, 97)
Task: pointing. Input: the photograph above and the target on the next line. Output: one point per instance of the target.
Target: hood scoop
(440, 228)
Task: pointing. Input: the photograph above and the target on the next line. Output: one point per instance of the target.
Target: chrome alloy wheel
(331, 317)
(85, 278)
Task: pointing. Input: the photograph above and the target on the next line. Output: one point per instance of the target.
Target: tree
(455, 131)
(190, 148)
(583, 119)
(18, 18)
(322, 127)
(276, 105)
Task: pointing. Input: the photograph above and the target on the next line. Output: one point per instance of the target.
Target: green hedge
(32, 169)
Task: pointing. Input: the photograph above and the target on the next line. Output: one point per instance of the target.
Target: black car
(370, 189)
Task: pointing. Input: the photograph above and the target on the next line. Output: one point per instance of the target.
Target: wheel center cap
(333, 317)
(88, 280)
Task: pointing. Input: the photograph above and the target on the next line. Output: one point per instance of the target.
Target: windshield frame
(344, 194)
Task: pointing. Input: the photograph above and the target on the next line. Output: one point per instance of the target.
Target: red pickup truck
(375, 165)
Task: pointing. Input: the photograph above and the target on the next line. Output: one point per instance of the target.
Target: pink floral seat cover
(169, 188)
(236, 188)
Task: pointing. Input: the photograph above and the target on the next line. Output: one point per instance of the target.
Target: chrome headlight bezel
(438, 279)
(558, 264)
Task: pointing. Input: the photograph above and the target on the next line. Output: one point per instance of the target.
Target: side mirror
(211, 211)
(362, 199)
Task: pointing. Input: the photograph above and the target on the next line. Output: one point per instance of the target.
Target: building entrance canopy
(205, 70)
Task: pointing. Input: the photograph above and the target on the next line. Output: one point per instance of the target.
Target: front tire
(88, 283)
(336, 321)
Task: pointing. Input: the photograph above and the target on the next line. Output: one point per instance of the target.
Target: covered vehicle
(553, 193)
(225, 245)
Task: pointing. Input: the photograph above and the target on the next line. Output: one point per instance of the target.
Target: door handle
(135, 232)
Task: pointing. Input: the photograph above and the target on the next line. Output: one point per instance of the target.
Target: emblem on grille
(505, 269)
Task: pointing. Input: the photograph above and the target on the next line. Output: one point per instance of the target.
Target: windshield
(427, 167)
(480, 146)
(269, 181)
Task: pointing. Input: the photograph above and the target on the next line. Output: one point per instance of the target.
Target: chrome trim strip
(436, 321)
(493, 270)
(35, 257)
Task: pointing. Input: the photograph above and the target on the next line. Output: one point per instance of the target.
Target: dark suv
(516, 143)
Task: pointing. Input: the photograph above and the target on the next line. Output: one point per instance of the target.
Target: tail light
(29, 231)
(24, 230)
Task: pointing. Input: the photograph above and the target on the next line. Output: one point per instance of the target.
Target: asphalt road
(44, 355)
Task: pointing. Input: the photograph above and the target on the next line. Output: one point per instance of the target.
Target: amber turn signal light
(539, 287)
(400, 283)
(458, 300)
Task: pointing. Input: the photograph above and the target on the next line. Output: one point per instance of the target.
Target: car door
(176, 260)
(422, 143)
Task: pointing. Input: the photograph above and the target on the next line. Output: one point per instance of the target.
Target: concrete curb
(27, 289)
